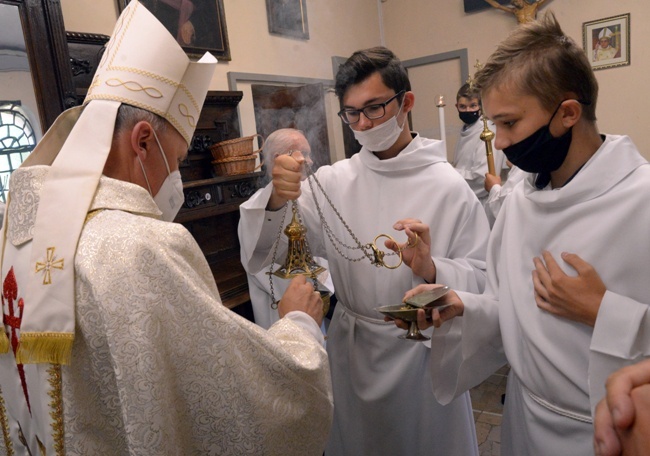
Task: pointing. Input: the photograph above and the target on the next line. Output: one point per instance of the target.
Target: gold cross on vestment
(50, 263)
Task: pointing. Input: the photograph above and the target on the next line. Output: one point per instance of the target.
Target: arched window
(17, 140)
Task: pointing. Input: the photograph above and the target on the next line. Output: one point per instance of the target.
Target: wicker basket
(235, 147)
(234, 165)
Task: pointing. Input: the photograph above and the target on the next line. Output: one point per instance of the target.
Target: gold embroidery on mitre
(146, 73)
(185, 112)
(49, 264)
(190, 96)
(56, 407)
(119, 36)
(135, 86)
(5, 426)
(95, 83)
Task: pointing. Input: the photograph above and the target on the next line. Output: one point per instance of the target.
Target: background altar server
(470, 159)
(114, 339)
(568, 258)
(382, 391)
(498, 191)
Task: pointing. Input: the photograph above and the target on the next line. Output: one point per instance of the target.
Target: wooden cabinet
(211, 208)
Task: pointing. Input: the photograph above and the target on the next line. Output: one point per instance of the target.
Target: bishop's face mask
(541, 152)
(170, 197)
(469, 117)
(381, 137)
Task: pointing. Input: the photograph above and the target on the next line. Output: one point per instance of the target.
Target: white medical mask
(381, 137)
(170, 197)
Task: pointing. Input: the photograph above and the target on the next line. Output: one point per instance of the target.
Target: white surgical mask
(170, 197)
(381, 137)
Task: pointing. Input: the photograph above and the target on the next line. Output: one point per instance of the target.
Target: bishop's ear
(141, 138)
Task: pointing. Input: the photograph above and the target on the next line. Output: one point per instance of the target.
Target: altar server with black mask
(569, 254)
(470, 159)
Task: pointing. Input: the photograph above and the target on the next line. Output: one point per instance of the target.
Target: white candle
(441, 116)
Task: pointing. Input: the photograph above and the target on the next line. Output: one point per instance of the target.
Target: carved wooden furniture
(211, 208)
(86, 50)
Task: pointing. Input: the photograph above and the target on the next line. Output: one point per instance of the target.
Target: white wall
(415, 28)
(336, 28)
(412, 28)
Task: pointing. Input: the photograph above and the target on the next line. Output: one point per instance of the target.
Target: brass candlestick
(487, 136)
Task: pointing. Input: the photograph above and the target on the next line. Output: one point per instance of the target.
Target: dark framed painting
(477, 5)
(199, 26)
(288, 18)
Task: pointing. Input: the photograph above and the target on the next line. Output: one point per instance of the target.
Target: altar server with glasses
(398, 184)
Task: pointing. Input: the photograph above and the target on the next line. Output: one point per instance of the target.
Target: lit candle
(441, 116)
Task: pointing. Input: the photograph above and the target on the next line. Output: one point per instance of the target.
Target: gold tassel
(4, 342)
(52, 348)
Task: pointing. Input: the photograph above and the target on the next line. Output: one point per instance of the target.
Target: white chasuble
(383, 401)
(159, 366)
(558, 367)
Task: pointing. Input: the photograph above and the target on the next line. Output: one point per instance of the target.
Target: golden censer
(299, 260)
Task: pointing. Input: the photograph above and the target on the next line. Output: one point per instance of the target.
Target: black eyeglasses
(372, 112)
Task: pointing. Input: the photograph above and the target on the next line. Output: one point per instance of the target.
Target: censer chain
(274, 303)
(367, 249)
(370, 250)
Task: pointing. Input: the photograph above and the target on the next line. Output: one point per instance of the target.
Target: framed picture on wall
(288, 18)
(198, 25)
(477, 5)
(607, 41)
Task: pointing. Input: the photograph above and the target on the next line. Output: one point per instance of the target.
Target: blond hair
(538, 59)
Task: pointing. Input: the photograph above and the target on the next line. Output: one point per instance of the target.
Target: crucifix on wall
(524, 10)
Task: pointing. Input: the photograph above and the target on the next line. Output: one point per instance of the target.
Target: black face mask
(540, 152)
(469, 117)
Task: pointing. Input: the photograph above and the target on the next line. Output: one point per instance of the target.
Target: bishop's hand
(301, 295)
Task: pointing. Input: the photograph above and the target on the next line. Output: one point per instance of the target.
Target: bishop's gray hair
(128, 116)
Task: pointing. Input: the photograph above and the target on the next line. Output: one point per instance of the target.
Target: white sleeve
(307, 323)
(621, 337)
